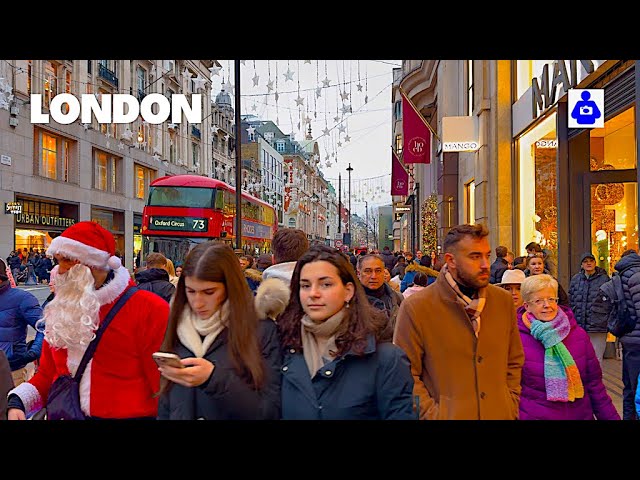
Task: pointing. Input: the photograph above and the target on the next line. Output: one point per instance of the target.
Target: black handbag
(63, 401)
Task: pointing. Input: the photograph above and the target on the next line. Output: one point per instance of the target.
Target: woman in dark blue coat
(339, 361)
(231, 358)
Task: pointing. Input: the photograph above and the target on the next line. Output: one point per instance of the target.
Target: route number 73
(198, 225)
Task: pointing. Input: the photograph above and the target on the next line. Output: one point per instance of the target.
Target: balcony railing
(108, 75)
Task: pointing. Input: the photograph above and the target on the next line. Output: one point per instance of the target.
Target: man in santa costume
(121, 379)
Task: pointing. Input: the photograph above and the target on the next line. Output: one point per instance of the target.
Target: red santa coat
(121, 378)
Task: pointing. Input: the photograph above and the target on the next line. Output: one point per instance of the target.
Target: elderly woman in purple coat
(561, 376)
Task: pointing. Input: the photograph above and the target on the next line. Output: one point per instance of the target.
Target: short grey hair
(362, 258)
(535, 283)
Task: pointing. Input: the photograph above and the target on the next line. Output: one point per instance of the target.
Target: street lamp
(349, 169)
(366, 207)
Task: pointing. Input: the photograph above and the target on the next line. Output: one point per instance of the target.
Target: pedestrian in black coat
(231, 358)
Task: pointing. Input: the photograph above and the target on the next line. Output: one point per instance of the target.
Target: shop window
(614, 221)
(614, 146)
(538, 211)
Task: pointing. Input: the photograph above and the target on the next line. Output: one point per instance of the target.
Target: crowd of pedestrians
(310, 332)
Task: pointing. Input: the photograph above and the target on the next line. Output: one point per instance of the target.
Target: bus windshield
(181, 197)
(171, 247)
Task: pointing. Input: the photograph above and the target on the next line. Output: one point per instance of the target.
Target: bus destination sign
(184, 224)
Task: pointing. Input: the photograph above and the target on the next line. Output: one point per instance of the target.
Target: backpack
(619, 321)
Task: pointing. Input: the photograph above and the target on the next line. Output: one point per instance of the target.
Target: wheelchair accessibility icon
(586, 108)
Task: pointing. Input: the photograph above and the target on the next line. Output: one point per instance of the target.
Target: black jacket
(156, 280)
(497, 270)
(583, 292)
(226, 396)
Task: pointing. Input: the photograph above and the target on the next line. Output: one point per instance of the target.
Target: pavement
(612, 377)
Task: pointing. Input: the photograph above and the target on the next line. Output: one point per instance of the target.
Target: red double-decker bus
(184, 210)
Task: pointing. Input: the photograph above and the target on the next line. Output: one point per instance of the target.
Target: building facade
(53, 175)
(528, 177)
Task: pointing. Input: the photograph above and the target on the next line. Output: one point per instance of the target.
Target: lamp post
(349, 169)
(238, 229)
(366, 222)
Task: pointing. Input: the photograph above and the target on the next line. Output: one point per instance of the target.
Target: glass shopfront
(113, 221)
(614, 204)
(538, 209)
(40, 221)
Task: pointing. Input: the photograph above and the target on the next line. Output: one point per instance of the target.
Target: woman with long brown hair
(230, 358)
(339, 361)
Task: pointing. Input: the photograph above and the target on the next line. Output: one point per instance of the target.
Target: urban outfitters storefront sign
(565, 74)
(44, 220)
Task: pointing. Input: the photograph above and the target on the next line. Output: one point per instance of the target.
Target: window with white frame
(143, 178)
(141, 82)
(54, 159)
(106, 172)
(280, 146)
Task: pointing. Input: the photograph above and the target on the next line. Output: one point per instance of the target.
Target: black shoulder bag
(63, 402)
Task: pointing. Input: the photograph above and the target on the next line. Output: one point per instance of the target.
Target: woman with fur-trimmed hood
(413, 268)
(253, 276)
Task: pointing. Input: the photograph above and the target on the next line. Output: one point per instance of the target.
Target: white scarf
(310, 333)
(191, 328)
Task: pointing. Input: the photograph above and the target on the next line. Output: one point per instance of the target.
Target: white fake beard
(72, 317)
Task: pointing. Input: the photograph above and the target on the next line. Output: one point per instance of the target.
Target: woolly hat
(89, 243)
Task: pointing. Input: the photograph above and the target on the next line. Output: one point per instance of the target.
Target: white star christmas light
(299, 101)
(199, 82)
(214, 129)
(359, 87)
(318, 92)
(127, 134)
(344, 95)
(347, 138)
(270, 86)
(325, 131)
(288, 75)
(215, 70)
(156, 157)
(342, 128)
(326, 81)
(251, 130)
(255, 79)
(121, 146)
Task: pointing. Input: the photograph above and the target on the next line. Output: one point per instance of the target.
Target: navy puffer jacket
(583, 291)
(629, 268)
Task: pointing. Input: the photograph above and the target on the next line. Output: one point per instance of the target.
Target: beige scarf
(310, 333)
(191, 328)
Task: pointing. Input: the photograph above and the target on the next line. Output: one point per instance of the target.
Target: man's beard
(72, 317)
(472, 281)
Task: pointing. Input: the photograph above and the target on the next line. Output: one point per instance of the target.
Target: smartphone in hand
(167, 359)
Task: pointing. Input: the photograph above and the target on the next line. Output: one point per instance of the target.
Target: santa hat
(89, 243)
